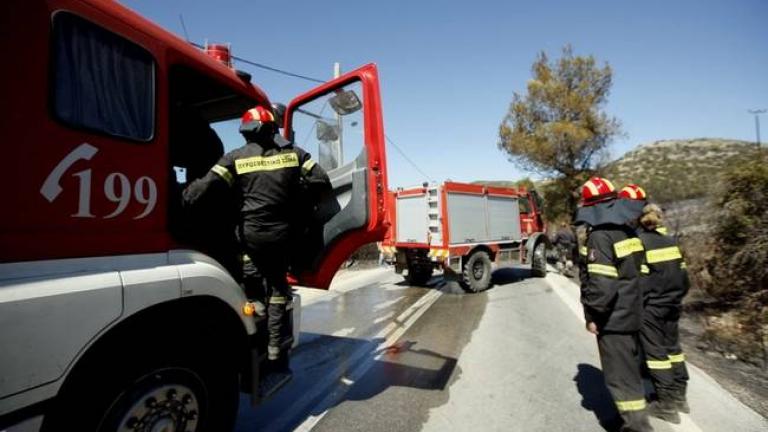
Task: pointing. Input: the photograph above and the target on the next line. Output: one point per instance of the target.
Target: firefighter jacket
(664, 278)
(611, 293)
(565, 238)
(269, 184)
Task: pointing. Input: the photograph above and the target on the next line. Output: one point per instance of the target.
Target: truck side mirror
(345, 102)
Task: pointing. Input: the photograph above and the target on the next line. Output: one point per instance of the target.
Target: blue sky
(682, 69)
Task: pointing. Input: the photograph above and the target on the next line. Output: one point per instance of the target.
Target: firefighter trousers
(664, 357)
(268, 273)
(654, 339)
(620, 360)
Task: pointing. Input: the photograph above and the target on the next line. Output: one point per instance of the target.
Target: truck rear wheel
(418, 275)
(172, 383)
(476, 272)
(539, 260)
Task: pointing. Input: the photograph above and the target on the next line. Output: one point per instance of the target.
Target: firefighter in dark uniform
(271, 179)
(664, 283)
(566, 244)
(611, 296)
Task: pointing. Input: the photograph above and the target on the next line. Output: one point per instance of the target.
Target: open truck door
(340, 124)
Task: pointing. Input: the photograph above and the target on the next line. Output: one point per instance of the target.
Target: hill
(526, 182)
(496, 183)
(674, 170)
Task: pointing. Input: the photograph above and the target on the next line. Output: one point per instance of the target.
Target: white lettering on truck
(117, 186)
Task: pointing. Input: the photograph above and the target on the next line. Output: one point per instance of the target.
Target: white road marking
(560, 285)
(339, 381)
(574, 306)
(387, 304)
(384, 317)
(395, 332)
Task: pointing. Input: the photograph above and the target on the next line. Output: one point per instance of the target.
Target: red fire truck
(464, 229)
(110, 318)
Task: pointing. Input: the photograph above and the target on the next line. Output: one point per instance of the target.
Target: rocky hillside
(674, 170)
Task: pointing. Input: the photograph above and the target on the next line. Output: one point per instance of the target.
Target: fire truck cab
(114, 315)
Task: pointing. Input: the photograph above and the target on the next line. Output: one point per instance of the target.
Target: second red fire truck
(464, 229)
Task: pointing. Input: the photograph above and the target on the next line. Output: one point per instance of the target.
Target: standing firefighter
(664, 283)
(271, 179)
(566, 244)
(611, 296)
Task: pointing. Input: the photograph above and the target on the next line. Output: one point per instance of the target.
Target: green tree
(558, 129)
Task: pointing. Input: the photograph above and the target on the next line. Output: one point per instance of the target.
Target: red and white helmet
(597, 189)
(255, 118)
(633, 192)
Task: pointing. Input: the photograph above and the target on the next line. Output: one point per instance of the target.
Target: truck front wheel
(539, 260)
(476, 272)
(167, 384)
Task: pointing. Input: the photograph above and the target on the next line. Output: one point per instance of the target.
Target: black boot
(635, 421)
(665, 410)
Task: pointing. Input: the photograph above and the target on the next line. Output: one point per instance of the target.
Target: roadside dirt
(748, 382)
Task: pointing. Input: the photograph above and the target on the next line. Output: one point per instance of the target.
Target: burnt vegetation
(715, 193)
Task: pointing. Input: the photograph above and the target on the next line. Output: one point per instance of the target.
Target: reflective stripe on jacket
(665, 279)
(611, 293)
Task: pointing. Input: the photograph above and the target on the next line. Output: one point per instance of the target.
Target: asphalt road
(378, 355)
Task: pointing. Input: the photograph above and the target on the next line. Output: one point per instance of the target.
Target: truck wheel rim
(167, 408)
(478, 270)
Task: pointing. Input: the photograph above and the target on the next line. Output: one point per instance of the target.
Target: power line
(280, 71)
(304, 77)
(413, 164)
(184, 27)
(270, 68)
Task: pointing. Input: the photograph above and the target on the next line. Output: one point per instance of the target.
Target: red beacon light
(220, 52)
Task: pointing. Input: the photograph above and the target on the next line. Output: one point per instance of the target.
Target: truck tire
(476, 272)
(418, 275)
(539, 260)
(180, 383)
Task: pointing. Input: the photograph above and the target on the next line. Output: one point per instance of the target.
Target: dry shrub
(730, 334)
(739, 266)
(731, 264)
(698, 250)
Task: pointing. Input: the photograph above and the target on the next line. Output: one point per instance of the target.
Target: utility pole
(756, 113)
(339, 143)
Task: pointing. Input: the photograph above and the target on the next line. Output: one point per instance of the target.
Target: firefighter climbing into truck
(117, 313)
(271, 179)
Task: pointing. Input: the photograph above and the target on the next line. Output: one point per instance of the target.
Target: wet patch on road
(414, 375)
